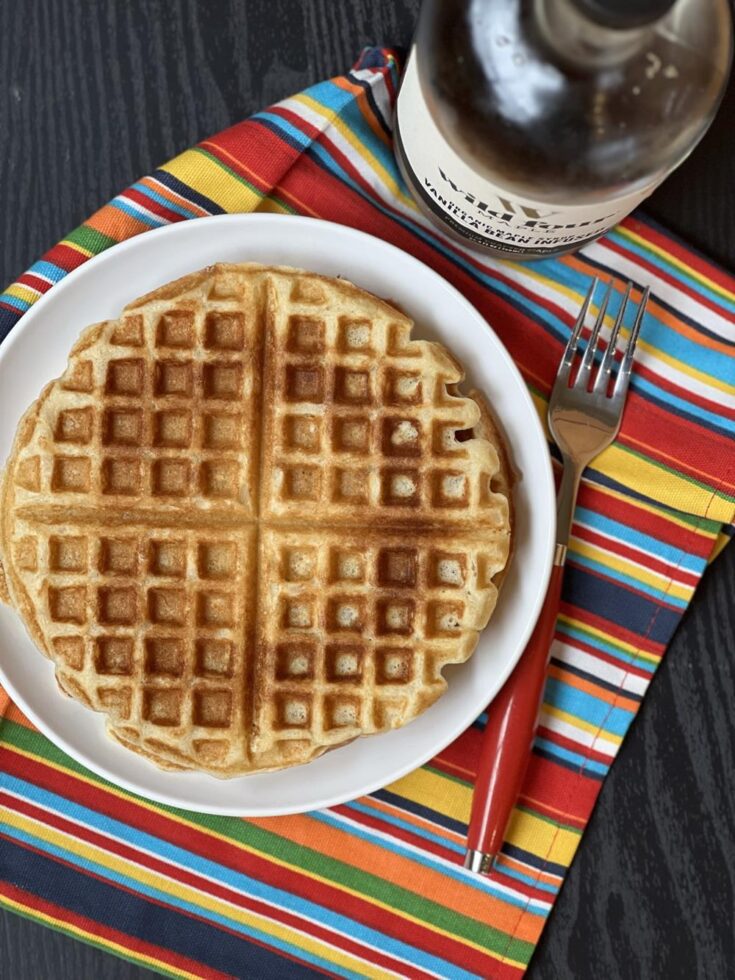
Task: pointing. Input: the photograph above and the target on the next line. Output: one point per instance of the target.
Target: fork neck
(566, 502)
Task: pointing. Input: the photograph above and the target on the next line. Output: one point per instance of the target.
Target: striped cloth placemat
(375, 888)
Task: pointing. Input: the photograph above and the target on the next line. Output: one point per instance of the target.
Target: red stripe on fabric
(686, 394)
(185, 913)
(194, 880)
(602, 655)
(615, 546)
(662, 273)
(658, 526)
(679, 251)
(150, 205)
(191, 838)
(34, 282)
(106, 934)
(577, 747)
(568, 797)
(399, 833)
(65, 257)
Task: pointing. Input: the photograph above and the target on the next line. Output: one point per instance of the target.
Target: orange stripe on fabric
(365, 108)
(410, 818)
(172, 197)
(599, 693)
(383, 863)
(115, 223)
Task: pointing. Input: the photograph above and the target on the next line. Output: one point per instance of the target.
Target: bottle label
(480, 210)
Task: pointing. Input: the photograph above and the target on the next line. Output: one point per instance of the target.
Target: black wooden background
(94, 93)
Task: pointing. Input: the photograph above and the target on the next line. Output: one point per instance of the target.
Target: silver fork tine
(603, 375)
(571, 348)
(583, 375)
(621, 382)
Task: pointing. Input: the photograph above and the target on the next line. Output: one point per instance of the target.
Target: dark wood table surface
(93, 94)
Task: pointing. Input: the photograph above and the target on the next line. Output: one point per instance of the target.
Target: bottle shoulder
(541, 126)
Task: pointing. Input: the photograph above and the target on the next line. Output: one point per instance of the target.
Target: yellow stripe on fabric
(23, 293)
(648, 246)
(437, 792)
(95, 939)
(592, 728)
(607, 638)
(671, 489)
(709, 380)
(207, 176)
(76, 247)
(361, 148)
(199, 899)
(650, 508)
(546, 840)
(656, 581)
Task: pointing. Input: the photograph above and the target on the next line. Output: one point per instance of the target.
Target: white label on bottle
(482, 211)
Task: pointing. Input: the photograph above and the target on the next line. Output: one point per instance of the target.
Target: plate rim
(319, 225)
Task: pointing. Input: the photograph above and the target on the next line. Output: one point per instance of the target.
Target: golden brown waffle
(242, 524)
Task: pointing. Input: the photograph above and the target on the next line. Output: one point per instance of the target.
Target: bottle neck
(578, 40)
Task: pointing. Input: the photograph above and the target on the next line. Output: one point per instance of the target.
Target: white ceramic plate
(36, 351)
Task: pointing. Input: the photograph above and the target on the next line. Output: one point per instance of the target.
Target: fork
(585, 411)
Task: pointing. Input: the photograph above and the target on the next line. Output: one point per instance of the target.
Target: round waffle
(254, 520)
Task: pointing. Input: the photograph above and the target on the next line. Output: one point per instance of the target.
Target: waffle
(254, 520)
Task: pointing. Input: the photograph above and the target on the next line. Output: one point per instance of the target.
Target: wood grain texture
(92, 95)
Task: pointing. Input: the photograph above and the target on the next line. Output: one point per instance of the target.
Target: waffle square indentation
(221, 431)
(403, 388)
(74, 425)
(298, 564)
(217, 560)
(346, 614)
(393, 665)
(304, 383)
(168, 558)
(125, 377)
(122, 427)
(220, 479)
(215, 610)
(71, 474)
(355, 334)
(114, 655)
(223, 380)
(176, 328)
(164, 656)
(305, 335)
(400, 488)
(344, 662)
(121, 475)
(214, 658)
(293, 711)
(213, 709)
(302, 433)
(68, 604)
(352, 387)
(401, 437)
(396, 616)
(224, 330)
(174, 378)
(341, 712)
(67, 554)
(171, 477)
(119, 556)
(117, 605)
(398, 567)
(295, 661)
(167, 606)
(172, 428)
(302, 482)
(162, 707)
(351, 435)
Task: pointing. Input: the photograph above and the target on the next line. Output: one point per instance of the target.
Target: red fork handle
(508, 737)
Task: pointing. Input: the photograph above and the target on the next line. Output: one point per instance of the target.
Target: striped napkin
(375, 888)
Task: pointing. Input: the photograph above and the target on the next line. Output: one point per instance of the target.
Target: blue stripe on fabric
(542, 865)
(659, 594)
(576, 759)
(420, 810)
(404, 825)
(147, 921)
(617, 604)
(624, 657)
(482, 884)
(684, 409)
(20, 304)
(164, 201)
(669, 553)
(219, 872)
(147, 219)
(525, 879)
(675, 272)
(176, 902)
(587, 707)
(48, 270)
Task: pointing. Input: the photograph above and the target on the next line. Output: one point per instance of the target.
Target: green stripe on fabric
(90, 239)
(450, 776)
(270, 844)
(551, 821)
